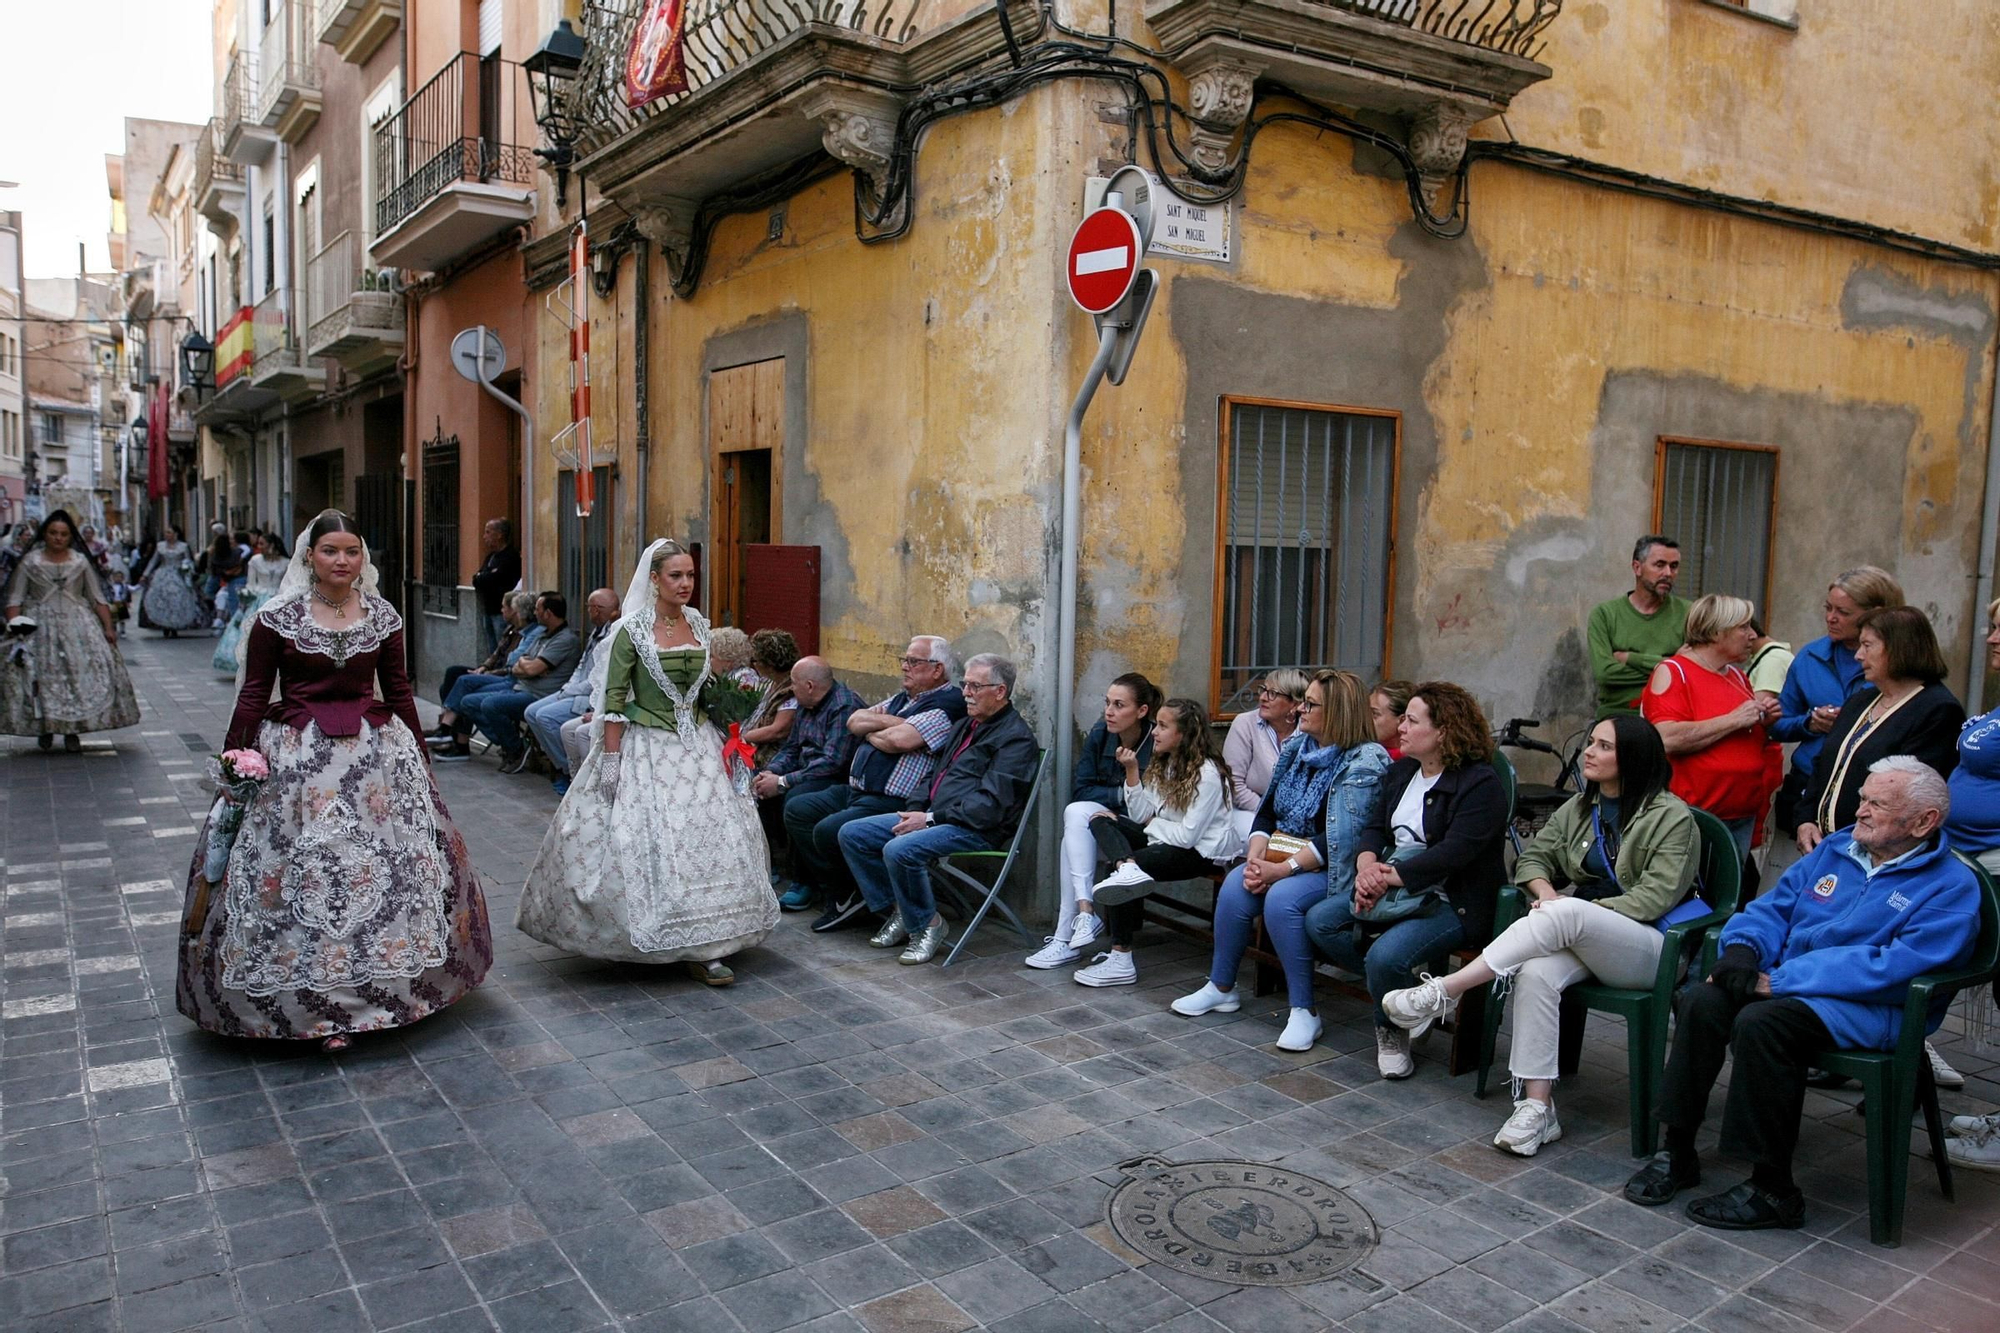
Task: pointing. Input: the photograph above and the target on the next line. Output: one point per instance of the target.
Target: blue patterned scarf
(1308, 771)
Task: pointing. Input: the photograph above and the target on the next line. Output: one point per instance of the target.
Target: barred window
(1720, 502)
(583, 544)
(441, 503)
(1307, 517)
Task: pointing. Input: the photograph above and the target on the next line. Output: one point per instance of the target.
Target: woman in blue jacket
(1325, 792)
(1097, 788)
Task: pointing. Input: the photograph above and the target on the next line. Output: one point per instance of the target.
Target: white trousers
(1079, 861)
(576, 741)
(1552, 948)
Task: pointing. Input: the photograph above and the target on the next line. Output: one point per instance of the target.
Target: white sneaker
(1532, 1124)
(1210, 1000)
(1419, 1005)
(1108, 969)
(1972, 1126)
(1053, 953)
(1392, 1053)
(1087, 928)
(1978, 1152)
(1941, 1072)
(1302, 1029)
(1128, 872)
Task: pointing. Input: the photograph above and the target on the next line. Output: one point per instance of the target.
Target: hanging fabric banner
(156, 444)
(656, 65)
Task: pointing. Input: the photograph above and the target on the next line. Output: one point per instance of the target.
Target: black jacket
(1465, 825)
(498, 573)
(984, 787)
(1927, 727)
(1099, 776)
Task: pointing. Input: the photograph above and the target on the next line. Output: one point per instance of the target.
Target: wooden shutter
(781, 591)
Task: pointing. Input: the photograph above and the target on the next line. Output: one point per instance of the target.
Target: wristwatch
(1293, 862)
(784, 782)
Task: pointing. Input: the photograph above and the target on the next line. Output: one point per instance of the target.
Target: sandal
(712, 974)
(337, 1042)
(1657, 1182)
(1748, 1208)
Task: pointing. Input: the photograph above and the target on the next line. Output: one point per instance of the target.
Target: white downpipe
(1066, 577)
(527, 475)
(1989, 533)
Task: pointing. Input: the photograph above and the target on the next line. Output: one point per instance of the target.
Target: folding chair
(964, 887)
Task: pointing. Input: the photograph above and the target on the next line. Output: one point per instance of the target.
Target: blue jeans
(1283, 907)
(496, 629)
(813, 821)
(498, 714)
(1390, 961)
(468, 685)
(545, 718)
(896, 871)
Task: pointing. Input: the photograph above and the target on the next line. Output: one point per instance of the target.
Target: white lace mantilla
(293, 621)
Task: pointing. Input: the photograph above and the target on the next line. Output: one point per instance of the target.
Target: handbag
(1401, 900)
(1690, 907)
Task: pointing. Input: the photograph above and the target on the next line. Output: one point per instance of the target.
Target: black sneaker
(842, 913)
(513, 763)
(457, 754)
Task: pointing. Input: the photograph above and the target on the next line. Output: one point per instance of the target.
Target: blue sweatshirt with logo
(1849, 943)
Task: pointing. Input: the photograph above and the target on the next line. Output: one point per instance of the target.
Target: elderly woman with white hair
(1713, 724)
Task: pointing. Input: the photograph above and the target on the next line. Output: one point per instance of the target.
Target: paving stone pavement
(836, 1142)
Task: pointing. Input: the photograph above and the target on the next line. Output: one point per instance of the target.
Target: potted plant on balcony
(377, 305)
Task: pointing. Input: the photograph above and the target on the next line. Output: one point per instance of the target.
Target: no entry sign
(1103, 259)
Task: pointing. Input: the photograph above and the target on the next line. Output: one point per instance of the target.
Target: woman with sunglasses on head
(1609, 864)
(1255, 737)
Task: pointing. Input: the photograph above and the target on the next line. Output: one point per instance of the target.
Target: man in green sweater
(1631, 635)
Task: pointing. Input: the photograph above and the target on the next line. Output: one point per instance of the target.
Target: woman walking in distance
(67, 676)
(170, 603)
(350, 903)
(653, 856)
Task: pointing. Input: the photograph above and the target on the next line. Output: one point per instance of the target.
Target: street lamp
(550, 72)
(198, 361)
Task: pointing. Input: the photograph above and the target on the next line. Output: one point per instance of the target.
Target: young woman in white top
(1176, 826)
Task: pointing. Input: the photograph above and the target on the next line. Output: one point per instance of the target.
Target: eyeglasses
(1268, 693)
(1310, 707)
(912, 663)
(975, 686)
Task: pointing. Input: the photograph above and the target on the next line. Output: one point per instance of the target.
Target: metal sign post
(1094, 268)
(477, 354)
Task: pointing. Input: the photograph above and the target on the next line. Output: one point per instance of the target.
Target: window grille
(1308, 524)
(441, 510)
(583, 544)
(1719, 501)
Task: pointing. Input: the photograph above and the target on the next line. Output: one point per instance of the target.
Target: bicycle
(1534, 802)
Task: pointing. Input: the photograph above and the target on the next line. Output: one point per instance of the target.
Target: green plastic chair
(950, 873)
(1719, 880)
(1894, 1082)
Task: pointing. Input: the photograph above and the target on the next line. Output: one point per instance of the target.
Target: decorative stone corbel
(857, 126)
(1437, 142)
(667, 223)
(1219, 96)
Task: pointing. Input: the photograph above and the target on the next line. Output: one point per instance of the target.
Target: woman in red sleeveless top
(1713, 724)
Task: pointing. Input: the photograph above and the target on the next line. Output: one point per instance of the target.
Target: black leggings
(1122, 839)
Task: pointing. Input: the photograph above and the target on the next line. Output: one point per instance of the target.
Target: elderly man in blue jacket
(1821, 962)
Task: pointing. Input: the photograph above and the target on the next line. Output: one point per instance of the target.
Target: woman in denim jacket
(1325, 790)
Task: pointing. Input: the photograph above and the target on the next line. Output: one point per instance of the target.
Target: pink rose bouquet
(237, 774)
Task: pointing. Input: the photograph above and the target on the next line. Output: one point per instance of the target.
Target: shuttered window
(1719, 501)
(1307, 517)
(489, 27)
(583, 556)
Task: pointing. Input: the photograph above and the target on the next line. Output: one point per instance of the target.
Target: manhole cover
(1240, 1222)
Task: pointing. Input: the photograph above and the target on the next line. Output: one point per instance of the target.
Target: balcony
(357, 28)
(218, 182)
(245, 141)
(768, 85)
(235, 399)
(1441, 65)
(456, 164)
(288, 98)
(356, 314)
(278, 365)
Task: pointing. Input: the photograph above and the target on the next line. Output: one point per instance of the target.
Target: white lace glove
(607, 775)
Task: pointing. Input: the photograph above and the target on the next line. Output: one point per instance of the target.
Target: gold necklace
(339, 608)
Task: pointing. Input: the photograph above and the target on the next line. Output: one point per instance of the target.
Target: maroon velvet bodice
(324, 676)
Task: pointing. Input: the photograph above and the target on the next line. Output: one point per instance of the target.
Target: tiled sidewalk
(835, 1143)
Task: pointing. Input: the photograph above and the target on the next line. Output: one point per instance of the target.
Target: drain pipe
(1066, 578)
(642, 341)
(527, 470)
(1989, 533)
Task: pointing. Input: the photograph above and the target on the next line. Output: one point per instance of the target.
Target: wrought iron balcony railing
(1513, 27)
(238, 98)
(719, 36)
(210, 166)
(287, 68)
(470, 123)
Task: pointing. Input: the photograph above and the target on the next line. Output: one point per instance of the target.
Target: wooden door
(746, 427)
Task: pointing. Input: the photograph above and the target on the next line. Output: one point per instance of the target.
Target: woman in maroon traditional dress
(350, 903)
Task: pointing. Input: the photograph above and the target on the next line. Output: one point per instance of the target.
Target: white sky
(74, 70)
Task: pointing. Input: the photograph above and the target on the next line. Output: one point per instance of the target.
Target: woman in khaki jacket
(1626, 849)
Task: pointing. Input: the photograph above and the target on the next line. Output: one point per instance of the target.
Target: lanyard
(963, 745)
(1829, 801)
(1604, 850)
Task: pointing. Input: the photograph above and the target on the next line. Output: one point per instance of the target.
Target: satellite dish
(476, 353)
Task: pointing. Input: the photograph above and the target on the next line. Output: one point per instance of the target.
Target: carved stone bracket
(1437, 142)
(667, 223)
(857, 126)
(1219, 94)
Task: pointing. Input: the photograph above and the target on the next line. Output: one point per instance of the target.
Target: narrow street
(834, 1143)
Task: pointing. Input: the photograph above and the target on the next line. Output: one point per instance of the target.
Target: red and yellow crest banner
(656, 64)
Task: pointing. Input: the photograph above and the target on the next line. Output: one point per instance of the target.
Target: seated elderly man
(984, 773)
(816, 753)
(517, 609)
(540, 672)
(899, 740)
(545, 717)
(1821, 962)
